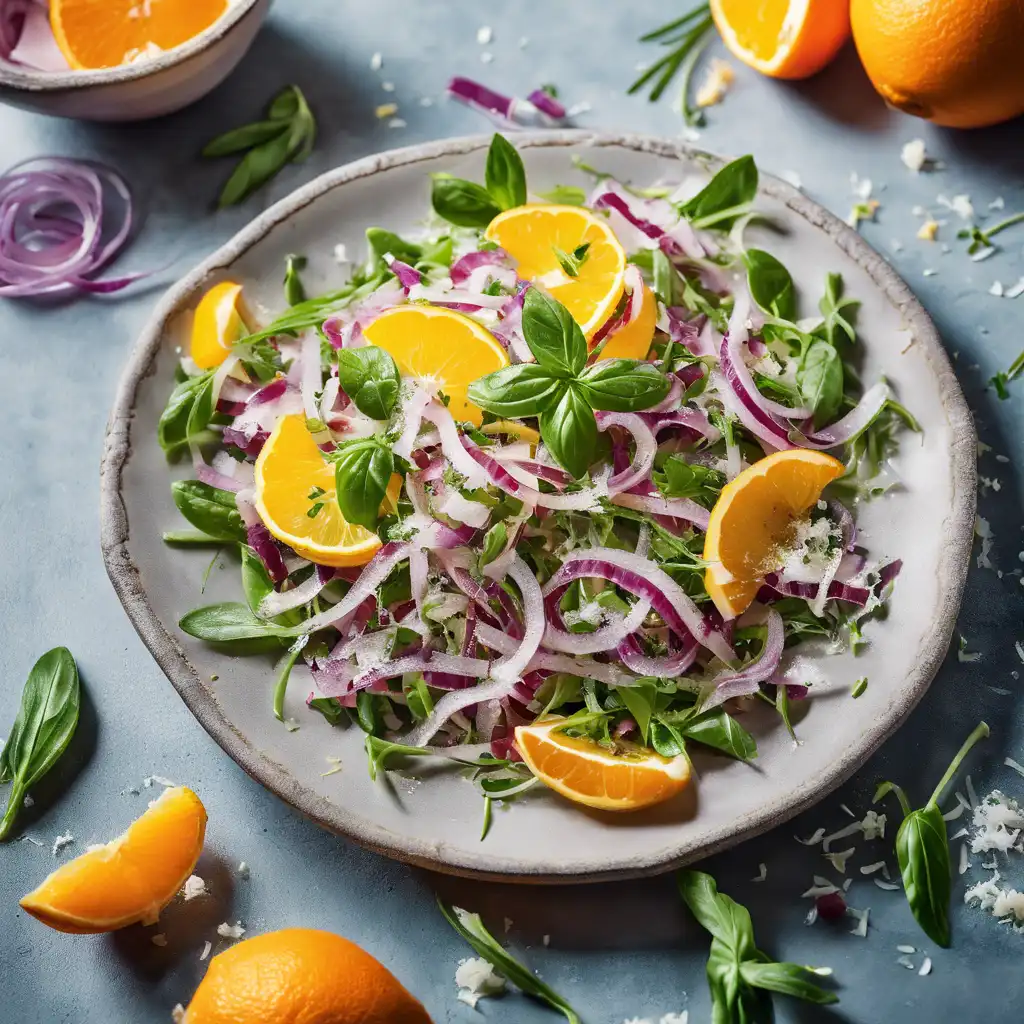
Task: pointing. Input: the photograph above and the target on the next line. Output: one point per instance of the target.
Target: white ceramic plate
(435, 822)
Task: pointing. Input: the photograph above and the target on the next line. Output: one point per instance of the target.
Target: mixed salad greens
(515, 579)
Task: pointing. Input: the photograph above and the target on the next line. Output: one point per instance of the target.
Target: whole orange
(959, 63)
(301, 976)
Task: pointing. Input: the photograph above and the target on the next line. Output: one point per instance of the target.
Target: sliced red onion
(495, 639)
(418, 570)
(547, 104)
(613, 201)
(747, 680)
(541, 470)
(853, 423)
(61, 222)
(808, 591)
(408, 277)
(462, 269)
(452, 445)
(634, 284)
(656, 505)
(607, 638)
(455, 701)
(689, 333)
(645, 579)
(310, 374)
(265, 546)
(746, 405)
(887, 575)
(668, 667)
(512, 666)
(462, 510)
(422, 660)
(447, 681)
(277, 603)
(585, 668)
(507, 111)
(488, 716)
(646, 449)
(693, 419)
(509, 330)
(26, 37)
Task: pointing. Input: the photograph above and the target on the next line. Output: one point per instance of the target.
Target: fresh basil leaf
(418, 699)
(623, 385)
(565, 195)
(718, 729)
(255, 169)
(724, 198)
(46, 722)
(362, 471)
(770, 284)
(462, 203)
(554, 337)
(640, 700)
(495, 540)
(666, 739)
(819, 376)
(172, 427)
(724, 918)
(789, 980)
(922, 849)
(370, 378)
(572, 262)
(505, 175)
(378, 752)
(367, 716)
(209, 509)
(838, 313)
(294, 293)
(285, 105)
(381, 242)
(240, 139)
(516, 392)
(256, 581)
(231, 620)
(569, 431)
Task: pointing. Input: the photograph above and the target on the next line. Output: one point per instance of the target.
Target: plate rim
(125, 576)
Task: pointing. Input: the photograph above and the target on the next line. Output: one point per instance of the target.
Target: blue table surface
(616, 951)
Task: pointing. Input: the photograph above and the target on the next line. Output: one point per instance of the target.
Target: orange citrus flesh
(288, 470)
(753, 520)
(301, 976)
(783, 38)
(106, 33)
(531, 234)
(218, 323)
(634, 340)
(588, 774)
(440, 346)
(131, 879)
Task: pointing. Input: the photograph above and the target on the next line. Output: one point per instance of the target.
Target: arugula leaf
(504, 174)
(770, 284)
(362, 472)
(640, 700)
(370, 378)
(462, 203)
(819, 376)
(666, 278)
(516, 392)
(209, 509)
(378, 751)
(572, 262)
(294, 293)
(1004, 377)
(623, 385)
(329, 708)
(678, 478)
(473, 930)
(256, 581)
(726, 197)
(554, 337)
(569, 431)
(283, 675)
(380, 242)
(666, 739)
(46, 722)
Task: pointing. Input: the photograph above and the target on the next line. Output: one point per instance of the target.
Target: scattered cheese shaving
(178, 1014)
(194, 886)
(207, 947)
(230, 931)
(719, 77)
(762, 873)
(243, 869)
(477, 979)
(1016, 766)
(861, 930)
(870, 869)
(926, 967)
(838, 860)
(385, 110)
(376, 62)
(813, 840)
(888, 886)
(793, 177)
(850, 830)
(159, 939)
(905, 949)
(965, 863)
(484, 35)
(960, 205)
(1014, 291)
(873, 825)
(61, 841)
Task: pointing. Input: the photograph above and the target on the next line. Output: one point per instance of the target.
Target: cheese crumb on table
(477, 979)
(194, 886)
(717, 81)
(230, 931)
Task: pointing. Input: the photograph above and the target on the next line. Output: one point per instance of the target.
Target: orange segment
(783, 38)
(588, 774)
(132, 878)
(218, 323)
(105, 33)
(634, 340)
(753, 520)
(531, 234)
(301, 976)
(288, 470)
(445, 348)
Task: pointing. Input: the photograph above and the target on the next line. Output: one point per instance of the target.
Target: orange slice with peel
(129, 880)
(442, 347)
(589, 774)
(106, 33)
(535, 234)
(292, 478)
(783, 38)
(753, 520)
(634, 340)
(218, 323)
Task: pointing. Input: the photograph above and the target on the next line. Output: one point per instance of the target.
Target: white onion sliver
(607, 638)
(513, 665)
(456, 700)
(656, 505)
(646, 449)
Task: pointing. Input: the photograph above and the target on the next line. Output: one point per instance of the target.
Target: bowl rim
(126, 577)
(14, 76)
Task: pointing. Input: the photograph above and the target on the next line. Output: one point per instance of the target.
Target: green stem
(1016, 368)
(695, 118)
(14, 801)
(282, 683)
(981, 731)
(1003, 224)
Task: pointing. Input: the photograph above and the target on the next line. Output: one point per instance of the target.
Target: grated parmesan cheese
(194, 886)
(231, 931)
(914, 155)
(719, 78)
(61, 841)
(926, 967)
(477, 979)
(838, 860)
(861, 930)
(960, 205)
(762, 873)
(928, 230)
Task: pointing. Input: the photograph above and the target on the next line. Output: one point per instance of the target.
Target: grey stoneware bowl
(432, 817)
(147, 88)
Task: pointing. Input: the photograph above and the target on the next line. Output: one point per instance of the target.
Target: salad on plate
(552, 488)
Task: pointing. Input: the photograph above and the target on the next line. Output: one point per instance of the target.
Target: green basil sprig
(473, 930)
(286, 136)
(209, 509)
(819, 378)
(740, 976)
(46, 721)
(922, 849)
(560, 389)
(187, 416)
(725, 198)
(362, 472)
(770, 283)
(370, 378)
(468, 205)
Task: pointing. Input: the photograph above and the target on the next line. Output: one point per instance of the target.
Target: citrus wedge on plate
(106, 33)
(589, 774)
(753, 519)
(537, 236)
(783, 38)
(131, 879)
(218, 323)
(634, 340)
(439, 346)
(292, 478)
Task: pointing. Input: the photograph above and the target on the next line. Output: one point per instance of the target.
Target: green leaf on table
(504, 174)
(362, 472)
(370, 378)
(209, 509)
(46, 722)
(569, 431)
(770, 284)
(462, 203)
(623, 385)
(238, 140)
(516, 392)
(727, 196)
(819, 376)
(553, 336)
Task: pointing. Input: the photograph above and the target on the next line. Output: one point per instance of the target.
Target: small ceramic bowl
(149, 88)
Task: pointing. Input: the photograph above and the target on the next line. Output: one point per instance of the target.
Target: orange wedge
(132, 878)
(588, 774)
(105, 33)
(783, 38)
(218, 323)
(753, 520)
(533, 234)
(442, 347)
(634, 340)
(290, 469)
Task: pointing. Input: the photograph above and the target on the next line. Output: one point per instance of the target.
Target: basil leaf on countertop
(370, 378)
